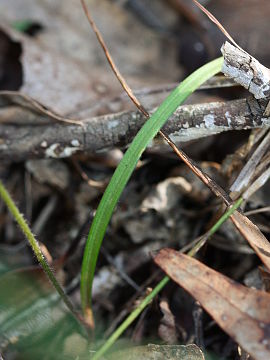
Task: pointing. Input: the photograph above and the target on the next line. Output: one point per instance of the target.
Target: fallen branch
(246, 71)
(28, 132)
(25, 133)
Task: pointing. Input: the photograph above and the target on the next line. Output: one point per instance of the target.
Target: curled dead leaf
(253, 235)
(242, 312)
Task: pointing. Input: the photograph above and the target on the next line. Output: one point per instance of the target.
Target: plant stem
(146, 301)
(18, 217)
(216, 226)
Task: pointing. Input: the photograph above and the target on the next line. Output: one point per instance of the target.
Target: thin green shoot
(124, 171)
(18, 217)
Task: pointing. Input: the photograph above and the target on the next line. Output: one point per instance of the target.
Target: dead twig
(246, 71)
(25, 133)
(217, 190)
(217, 23)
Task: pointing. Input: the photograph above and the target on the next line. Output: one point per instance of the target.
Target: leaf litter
(150, 207)
(242, 312)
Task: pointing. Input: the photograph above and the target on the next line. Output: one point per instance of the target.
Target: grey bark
(26, 133)
(28, 130)
(246, 71)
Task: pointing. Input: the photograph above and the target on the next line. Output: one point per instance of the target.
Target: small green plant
(125, 169)
(109, 201)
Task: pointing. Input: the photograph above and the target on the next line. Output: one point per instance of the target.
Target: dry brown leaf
(52, 79)
(242, 312)
(254, 237)
(63, 67)
(66, 30)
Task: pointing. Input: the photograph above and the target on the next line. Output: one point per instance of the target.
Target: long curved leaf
(125, 169)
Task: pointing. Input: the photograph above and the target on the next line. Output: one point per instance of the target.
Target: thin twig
(246, 173)
(218, 191)
(111, 62)
(217, 23)
(258, 211)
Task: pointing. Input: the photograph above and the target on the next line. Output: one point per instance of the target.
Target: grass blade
(125, 169)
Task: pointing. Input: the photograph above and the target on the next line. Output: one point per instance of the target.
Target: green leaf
(18, 217)
(31, 314)
(125, 169)
(22, 25)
